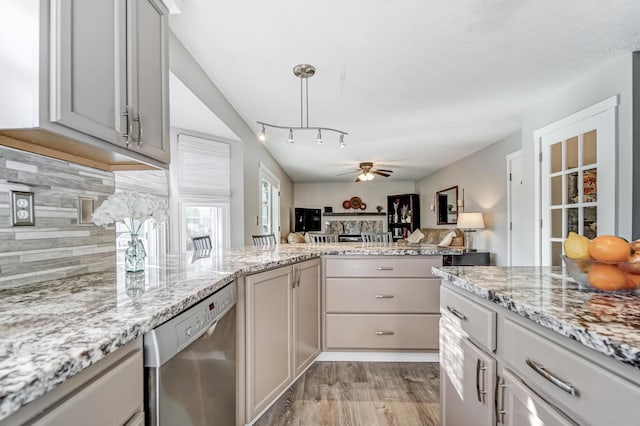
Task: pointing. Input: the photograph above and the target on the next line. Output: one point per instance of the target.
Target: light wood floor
(360, 393)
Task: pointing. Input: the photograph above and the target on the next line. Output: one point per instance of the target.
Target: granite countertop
(606, 322)
(52, 330)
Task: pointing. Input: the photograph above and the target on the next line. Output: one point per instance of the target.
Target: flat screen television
(308, 220)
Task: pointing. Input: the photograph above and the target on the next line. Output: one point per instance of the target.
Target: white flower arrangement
(130, 208)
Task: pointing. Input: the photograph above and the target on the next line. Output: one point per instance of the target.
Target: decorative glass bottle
(134, 255)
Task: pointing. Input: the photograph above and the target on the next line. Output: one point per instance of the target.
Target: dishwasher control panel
(195, 321)
(170, 338)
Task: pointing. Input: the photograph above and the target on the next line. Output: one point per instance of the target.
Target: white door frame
(509, 159)
(610, 103)
(266, 173)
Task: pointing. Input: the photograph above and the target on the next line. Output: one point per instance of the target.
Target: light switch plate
(85, 210)
(22, 211)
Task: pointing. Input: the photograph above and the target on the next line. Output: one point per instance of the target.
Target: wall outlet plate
(22, 211)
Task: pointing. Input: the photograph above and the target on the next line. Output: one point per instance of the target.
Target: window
(269, 202)
(203, 190)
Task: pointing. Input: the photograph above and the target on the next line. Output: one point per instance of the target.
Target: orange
(633, 281)
(606, 277)
(609, 248)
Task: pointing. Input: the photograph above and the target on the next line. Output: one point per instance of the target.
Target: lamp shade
(470, 221)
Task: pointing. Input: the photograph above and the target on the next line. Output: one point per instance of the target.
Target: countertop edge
(619, 351)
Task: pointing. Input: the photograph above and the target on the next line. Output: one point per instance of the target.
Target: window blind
(152, 182)
(203, 167)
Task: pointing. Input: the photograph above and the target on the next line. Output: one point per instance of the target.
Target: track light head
(319, 137)
(262, 135)
(290, 138)
(342, 144)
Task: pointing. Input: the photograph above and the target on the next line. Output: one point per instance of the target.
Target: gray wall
(56, 247)
(482, 176)
(185, 67)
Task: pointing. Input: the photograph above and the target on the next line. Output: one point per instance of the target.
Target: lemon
(576, 246)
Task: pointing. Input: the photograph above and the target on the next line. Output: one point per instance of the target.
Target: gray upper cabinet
(148, 90)
(95, 84)
(88, 67)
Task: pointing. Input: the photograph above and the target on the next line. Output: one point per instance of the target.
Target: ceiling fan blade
(357, 180)
(378, 172)
(383, 170)
(346, 173)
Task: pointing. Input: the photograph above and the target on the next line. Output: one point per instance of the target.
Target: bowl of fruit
(606, 263)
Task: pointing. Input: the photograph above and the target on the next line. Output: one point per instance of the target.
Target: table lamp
(469, 222)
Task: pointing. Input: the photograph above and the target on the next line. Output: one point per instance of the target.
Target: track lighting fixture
(303, 71)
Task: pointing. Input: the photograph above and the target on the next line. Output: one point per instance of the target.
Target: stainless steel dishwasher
(190, 365)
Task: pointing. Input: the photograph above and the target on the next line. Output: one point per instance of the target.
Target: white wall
(609, 78)
(482, 176)
(374, 193)
(185, 67)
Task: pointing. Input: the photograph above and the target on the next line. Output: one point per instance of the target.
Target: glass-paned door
(577, 170)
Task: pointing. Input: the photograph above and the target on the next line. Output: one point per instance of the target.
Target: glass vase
(134, 255)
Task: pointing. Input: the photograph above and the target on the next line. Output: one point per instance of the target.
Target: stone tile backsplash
(56, 247)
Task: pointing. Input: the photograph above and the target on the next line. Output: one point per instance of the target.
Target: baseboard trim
(379, 356)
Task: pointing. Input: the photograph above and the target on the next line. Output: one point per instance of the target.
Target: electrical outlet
(22, 208)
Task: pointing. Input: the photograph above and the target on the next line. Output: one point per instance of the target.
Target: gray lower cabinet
(380, 303)
(517, 405)
(283, 330)
(468, 376)
(106, 394)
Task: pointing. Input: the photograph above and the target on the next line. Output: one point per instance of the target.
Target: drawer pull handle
(480, 390)
(539, 368)
(384, 296)
(499, 400)
(385, 333)
(383, 268)
(457, 313)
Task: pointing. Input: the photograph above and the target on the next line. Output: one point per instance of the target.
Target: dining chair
(377, 237)
(323, 238)
(264, 240)
(201, 243)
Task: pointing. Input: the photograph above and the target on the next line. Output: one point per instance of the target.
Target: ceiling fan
(368, 172)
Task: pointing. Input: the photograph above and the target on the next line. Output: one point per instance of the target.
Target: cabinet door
(148, 78)
(307, 314)
(269, 342)
(88, 67)
(523, 407)
(467, 379)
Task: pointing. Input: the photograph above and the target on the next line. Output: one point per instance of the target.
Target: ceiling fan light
(290, 138)
(362, 177)
(319, 137)
(262, 135)
(370, 176)
(341, 144)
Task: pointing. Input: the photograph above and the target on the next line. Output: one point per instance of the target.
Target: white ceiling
(417, 84)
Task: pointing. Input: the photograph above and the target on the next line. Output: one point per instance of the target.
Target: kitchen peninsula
(53, 330)
(550, 351)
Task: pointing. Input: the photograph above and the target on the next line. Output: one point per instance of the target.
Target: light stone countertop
(606, 322)
(52, 330)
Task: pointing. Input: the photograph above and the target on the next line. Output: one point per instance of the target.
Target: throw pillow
(415, 237)
(446, 241)
(295, 237)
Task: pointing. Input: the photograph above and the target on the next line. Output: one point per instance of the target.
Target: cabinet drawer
(383, 295)
(110, 399)
(601, 397)
(382, 331)
(477, 321)
(382, 266)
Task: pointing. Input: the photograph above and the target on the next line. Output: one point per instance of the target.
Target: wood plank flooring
(360, 394)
